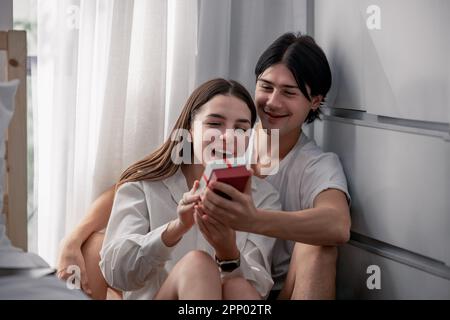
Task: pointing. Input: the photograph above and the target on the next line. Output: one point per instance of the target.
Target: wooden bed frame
(15, 197)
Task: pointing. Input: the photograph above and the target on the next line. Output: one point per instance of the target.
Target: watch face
(229, 266)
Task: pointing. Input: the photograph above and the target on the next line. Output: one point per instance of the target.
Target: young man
(293, 78)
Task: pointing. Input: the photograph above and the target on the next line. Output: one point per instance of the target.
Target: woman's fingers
(214, 221)
(205, 224)
(212, 210)
(201, 224)
(186, 208)
(190, 198)
(210, 230)
(194, 187)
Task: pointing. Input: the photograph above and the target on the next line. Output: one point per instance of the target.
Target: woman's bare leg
(194, 277)
(239, 289)
(91, 254)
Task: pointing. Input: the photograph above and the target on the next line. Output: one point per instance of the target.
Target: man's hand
(239, 213)
(70, 255)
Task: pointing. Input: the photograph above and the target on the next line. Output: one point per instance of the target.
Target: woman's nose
(228, 137)
(227, 134)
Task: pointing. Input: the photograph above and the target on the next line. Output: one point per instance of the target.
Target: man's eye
(290, 93)
(265, 87)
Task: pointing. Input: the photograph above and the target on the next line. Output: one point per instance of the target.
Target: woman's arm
(255, 257)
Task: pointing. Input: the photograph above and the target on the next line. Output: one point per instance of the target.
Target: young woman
(158, 243)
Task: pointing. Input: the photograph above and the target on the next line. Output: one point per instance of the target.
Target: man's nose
(274, 101)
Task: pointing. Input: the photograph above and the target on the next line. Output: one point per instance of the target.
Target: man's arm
(327, 224)
(95, 219)
(70, 252)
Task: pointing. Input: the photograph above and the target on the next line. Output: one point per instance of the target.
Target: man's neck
(286, 142)
(265, 149)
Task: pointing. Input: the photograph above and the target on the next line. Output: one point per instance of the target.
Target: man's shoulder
(312, 155)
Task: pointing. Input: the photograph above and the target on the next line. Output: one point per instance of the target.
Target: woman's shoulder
(144, 186)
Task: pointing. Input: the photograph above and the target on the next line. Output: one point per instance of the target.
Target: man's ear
(316, 100)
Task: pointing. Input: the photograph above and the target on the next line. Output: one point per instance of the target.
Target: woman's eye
(241, 130)
(214, 124)
(290, 93)
(265, 87)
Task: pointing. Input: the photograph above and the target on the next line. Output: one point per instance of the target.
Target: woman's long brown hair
(159, 165)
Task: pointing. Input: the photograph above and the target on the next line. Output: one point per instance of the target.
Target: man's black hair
(307, 62)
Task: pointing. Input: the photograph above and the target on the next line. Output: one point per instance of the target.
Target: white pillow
(7, 95)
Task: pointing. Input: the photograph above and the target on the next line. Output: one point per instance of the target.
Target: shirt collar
(177, 185)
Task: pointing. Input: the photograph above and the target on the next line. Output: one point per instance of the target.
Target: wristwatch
(228, 265)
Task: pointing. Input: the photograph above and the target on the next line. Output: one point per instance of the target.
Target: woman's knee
(196, 268)
(198, 260)
(238, 288)
(198, 265)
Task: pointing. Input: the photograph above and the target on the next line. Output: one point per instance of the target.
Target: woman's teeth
(222, 154)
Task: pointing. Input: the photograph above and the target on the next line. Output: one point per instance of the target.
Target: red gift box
(234, 176)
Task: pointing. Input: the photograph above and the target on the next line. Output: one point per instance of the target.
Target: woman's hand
(70, 255)
(238, 213)
(185, 210)
(219, 236)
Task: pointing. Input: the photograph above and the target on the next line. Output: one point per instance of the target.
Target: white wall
(6, 14)
(388, 122)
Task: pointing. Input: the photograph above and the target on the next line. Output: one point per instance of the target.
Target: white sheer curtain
(113, 76)
(233, 33)
(104, 67)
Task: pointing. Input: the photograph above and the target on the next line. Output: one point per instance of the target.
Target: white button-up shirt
(134, 258)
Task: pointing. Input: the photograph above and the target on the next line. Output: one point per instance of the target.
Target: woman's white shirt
(135, 260)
